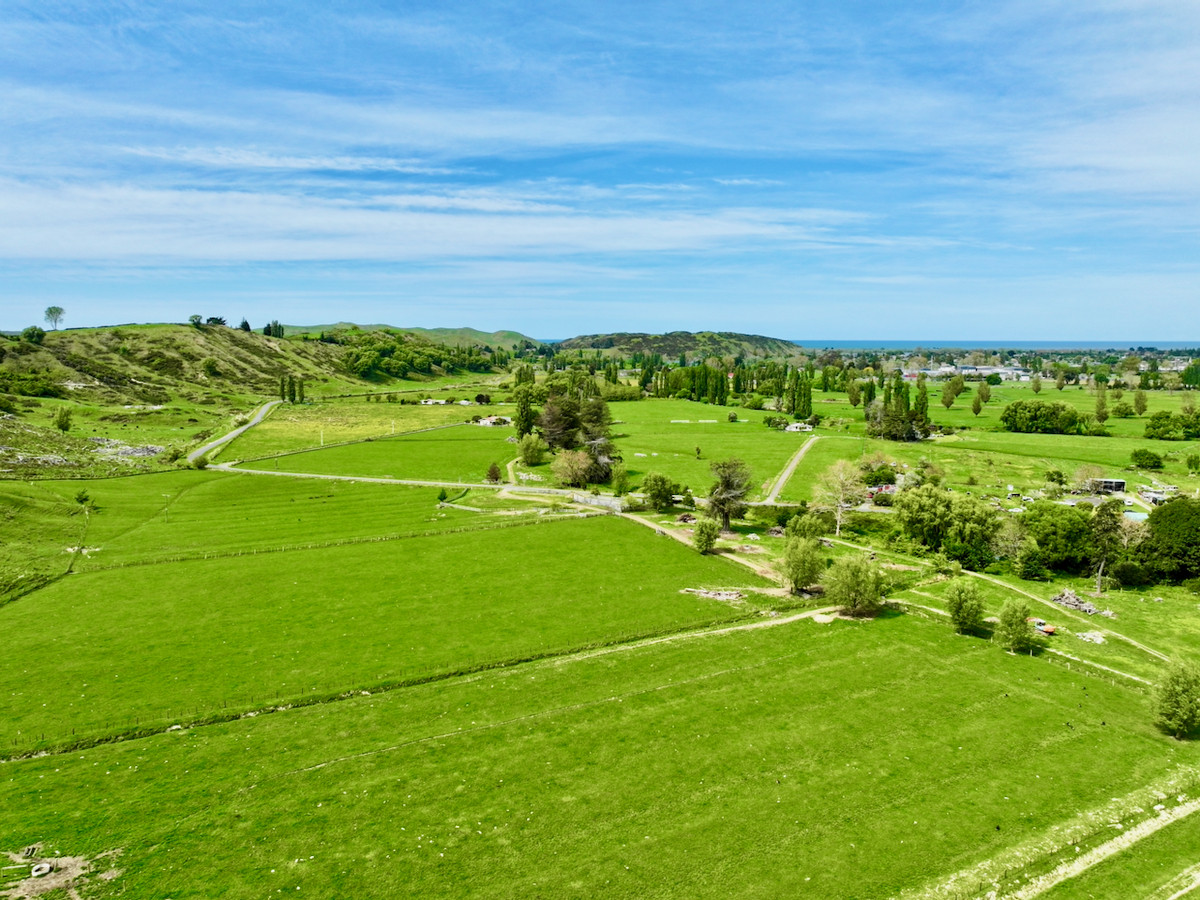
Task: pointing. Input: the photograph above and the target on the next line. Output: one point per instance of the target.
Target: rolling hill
(675, 343)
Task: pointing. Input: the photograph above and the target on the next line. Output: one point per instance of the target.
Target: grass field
(108, 650)
(803, 760)
(304, 426)
(459, 453)
(662, 436)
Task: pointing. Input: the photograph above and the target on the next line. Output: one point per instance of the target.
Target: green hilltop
(699, 344)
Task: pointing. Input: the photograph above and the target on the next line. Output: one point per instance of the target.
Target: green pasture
(669, 447)
(1158, 867)
(104, 651)
(985, 463)
(459, 453)
(853, 759)
(302, 426)
(195, 514)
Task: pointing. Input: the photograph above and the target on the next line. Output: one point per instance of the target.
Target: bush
(704, 536)
(856, 584)
(532, 450)
(493, 473)
(659, 490)
(1014, 632)
(33, 335)
(802, 563)
(62, 419)
(733, 417)
(1146, 459)
(1177, 700)
(1129, 574)
(965, 605)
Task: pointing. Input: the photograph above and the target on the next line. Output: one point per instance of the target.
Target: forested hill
(139, 364)
(699, 344)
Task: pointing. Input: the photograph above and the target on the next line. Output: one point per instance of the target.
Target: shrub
(965, 605)
(532, 450)
(1177, 700)
(62, 419)
(493, 473)
(33, 335)
(1146, 459)
(856, 584)
(704, 536)
(1014, 632)
(659, 490)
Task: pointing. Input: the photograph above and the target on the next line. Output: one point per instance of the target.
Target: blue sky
(1001, 170)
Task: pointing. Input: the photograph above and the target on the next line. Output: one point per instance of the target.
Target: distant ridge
(451, 336)
(675, 343)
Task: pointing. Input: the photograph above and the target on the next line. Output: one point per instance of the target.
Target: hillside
(137, 397)
(450, 336)
(698, 344)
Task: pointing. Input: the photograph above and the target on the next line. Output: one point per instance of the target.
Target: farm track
(259, 415)
(1097, 855)
(784, 476)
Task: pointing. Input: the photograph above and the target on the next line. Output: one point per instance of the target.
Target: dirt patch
(749, 548)
(724, 596)
(823, 619)
(56, 873)
(900, 567)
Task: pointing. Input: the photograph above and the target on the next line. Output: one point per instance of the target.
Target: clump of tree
(959, 526)
(896, 416)
(1015, 632)
(964, 603)
(1040, 417)
(33, 335)
(856, 584)
(727, 496)
(1167, 426)
(1177, 700)
(802, 563)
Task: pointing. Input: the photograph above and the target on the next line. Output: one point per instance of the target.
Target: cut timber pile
(1071, 600)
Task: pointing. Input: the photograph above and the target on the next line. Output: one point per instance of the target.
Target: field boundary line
(506, 522)
(769, 574)
(1096, 855)
(985, 877)
(783, 477)
(534, 659)
(1189, 878)
(615, 698)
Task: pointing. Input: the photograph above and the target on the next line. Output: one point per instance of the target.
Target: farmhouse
(799, 426)
(493, 421)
